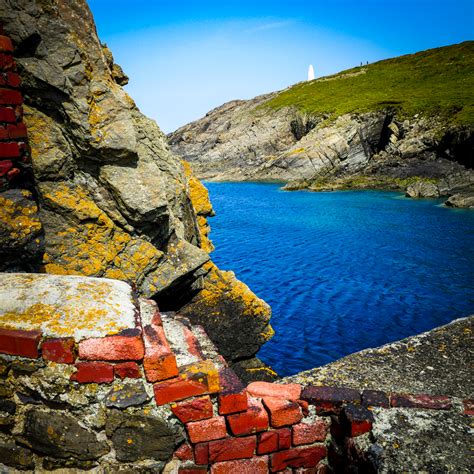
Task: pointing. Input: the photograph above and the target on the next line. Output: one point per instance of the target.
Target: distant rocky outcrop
(278, 137)
(99, 193)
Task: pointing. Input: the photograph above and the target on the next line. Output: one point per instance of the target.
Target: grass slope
(434, 82)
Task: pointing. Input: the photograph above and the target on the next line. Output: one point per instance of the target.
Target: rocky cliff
(103, 194)
(405, 123)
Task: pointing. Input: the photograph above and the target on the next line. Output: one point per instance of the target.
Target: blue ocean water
(346, 270)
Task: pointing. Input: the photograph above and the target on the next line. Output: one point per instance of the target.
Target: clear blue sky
(187, 57)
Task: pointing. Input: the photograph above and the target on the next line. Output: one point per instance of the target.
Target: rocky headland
(404, 123)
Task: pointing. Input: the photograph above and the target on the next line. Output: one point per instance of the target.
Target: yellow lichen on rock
(199, 196)
(88, 242)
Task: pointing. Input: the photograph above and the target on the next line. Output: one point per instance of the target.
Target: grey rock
(60, 435)
(136, 437)
(127, 395)
(422, 189)
(437, 362)
(15, 456)
(463, 200)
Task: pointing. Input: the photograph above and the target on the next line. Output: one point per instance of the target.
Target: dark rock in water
(15, 456)
(60, 435)
(137, 437)
(128, 395)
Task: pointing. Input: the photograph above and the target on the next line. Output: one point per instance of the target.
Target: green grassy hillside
(434, 82)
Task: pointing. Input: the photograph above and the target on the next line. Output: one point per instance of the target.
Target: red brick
(193, 410)
(468, 407)
(185, 452)
(7, 62)
(194, 379)
(243, 466)
(20, 343)
(282, 412)
(233, 397)
(93, 372)
(5, 167)
(207, 430)
(159, 362)
(129, 370)
(13, 79)
(112, 348)
(291, 391)
(231, 448)
(275, 440)
(433, 402)
(17, 131)
(304, 406)
(9, 150)
(10, 97)
(59, 350)
(253, 420)
(201, 453)
(297, 457)
(357, 420)
(3, 133)
(6, 44)
(329, 399)
(375, 398)
(7, 114)
(194, 348)
(308, 433)
(192, 470)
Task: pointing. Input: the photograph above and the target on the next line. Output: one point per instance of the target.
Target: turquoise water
(343, 271)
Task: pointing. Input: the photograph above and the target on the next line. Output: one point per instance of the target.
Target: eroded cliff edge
(108, 196)
(404, 123)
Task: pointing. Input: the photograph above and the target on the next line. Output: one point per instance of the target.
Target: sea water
(343, 271)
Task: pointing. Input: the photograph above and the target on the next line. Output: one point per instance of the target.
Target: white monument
(310, 73)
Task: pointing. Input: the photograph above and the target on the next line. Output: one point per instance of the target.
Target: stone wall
(92, 378)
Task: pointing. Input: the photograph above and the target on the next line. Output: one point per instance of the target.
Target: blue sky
(187, 57)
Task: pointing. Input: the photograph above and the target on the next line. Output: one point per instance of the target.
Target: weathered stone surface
(417, 441)
(61, 435)
(422, 189)
(15, 456)
(136, 436)
(127, 395)
(463, 200)
(215, 307)
(436, 362)
(65, 306)
(21, 239)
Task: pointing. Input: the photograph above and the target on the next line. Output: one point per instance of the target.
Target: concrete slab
(65, 306)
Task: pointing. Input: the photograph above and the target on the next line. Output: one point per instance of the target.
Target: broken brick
(184, 452)
(358, 420)
(275, 440)
(9, 150)
(233, 397)
(207, 430)
(290, 391)
(9, 96)
(297, 457)
(257, 465)
(59, 350)
(6, 44)
(308, 433)
(20, 343)
(7, 114)
(232, 448)
(93, 372)
(433, 402)
(129, 370)
(468, 407)
(329, 399)
(112, 348)
(159, 362)
(195, 379)
(193, 410)
(253, 420)
(375, 398)
(282, 412)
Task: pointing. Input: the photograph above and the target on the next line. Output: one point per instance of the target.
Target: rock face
(249, 140)
(108, 199)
